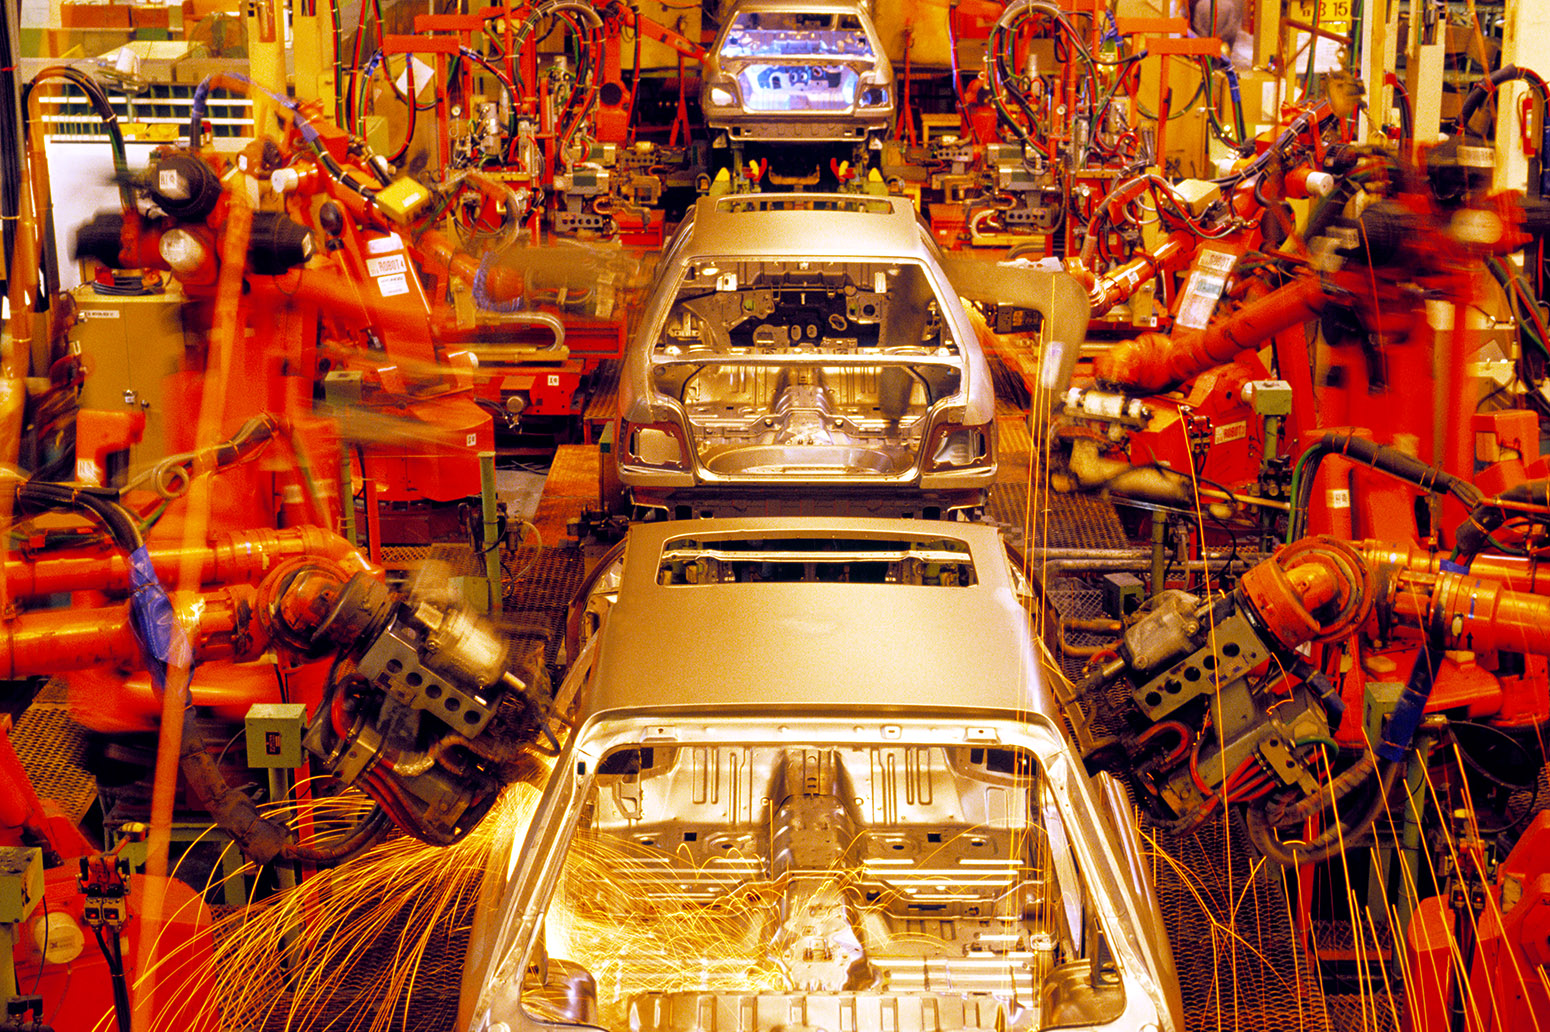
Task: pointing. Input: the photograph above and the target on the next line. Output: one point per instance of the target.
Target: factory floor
(1241, 961)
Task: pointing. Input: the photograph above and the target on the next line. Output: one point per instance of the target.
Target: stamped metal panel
(1057, 295)
(800, 646)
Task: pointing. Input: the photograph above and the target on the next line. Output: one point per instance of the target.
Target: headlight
(874, 96)
(721, 97)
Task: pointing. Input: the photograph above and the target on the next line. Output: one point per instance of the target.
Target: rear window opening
(766, 202)
(931, 562)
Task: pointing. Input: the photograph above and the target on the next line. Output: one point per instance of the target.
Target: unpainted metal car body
(817, 782)
(805, 353)
(798, 71)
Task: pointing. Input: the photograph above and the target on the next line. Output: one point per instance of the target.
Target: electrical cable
(358, 114)
(37, 980)
(538, 550)
(1484, 519)
(172, 476)
(115, 961)
(100, 503)
(99, 100)
(1380, 457)
(367, 833)
(1313, 42)
(303, 124)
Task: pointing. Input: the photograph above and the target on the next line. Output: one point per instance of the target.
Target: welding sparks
(356, 947)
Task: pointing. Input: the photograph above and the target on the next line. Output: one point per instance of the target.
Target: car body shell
(881, 670)
(798, 71)
(838, 235)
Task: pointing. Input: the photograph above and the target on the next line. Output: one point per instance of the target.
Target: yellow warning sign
(1334, 15)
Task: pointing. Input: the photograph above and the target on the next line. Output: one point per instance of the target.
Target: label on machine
(398, 283)
(1231, 432)
(384, 244)
(1206, 281)
(386, 266)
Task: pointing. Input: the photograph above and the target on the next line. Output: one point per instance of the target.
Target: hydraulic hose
(1380, 457)
(172, 476)
(1391, 749)
(100, 503)
(104, 108)
(1335, 839)
(1475, 532)
(362, 837)
(234, 811)
(1483, 90)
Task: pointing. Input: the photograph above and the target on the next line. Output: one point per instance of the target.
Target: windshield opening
(796, 34)
(858, 888)
(800, 367)
(802, 305)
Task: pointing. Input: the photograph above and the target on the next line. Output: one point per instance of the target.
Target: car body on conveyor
(817, 781)
(805, 353)
(798, 71)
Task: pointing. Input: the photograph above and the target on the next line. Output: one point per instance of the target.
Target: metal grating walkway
(52, 749)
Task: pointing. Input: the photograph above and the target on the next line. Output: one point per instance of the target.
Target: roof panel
(800, 646)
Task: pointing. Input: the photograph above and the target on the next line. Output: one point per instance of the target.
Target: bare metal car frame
(818, 782)
(805, 353)
(798, 71)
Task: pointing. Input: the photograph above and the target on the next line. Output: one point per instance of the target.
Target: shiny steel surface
(687, 647)
(799, 800)
(800, 344)
(769, 96)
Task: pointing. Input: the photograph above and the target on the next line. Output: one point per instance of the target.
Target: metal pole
(347, 495)
(11, 133)
(492, 552)
(1159, 549)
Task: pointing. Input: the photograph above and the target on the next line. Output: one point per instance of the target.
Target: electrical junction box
(403, 199)
(274, 731)
(1198, 194)
(1378, 704)
(1269, 397)
(343, 387)
(1123, 594)
(135, 346)
(21, 883)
